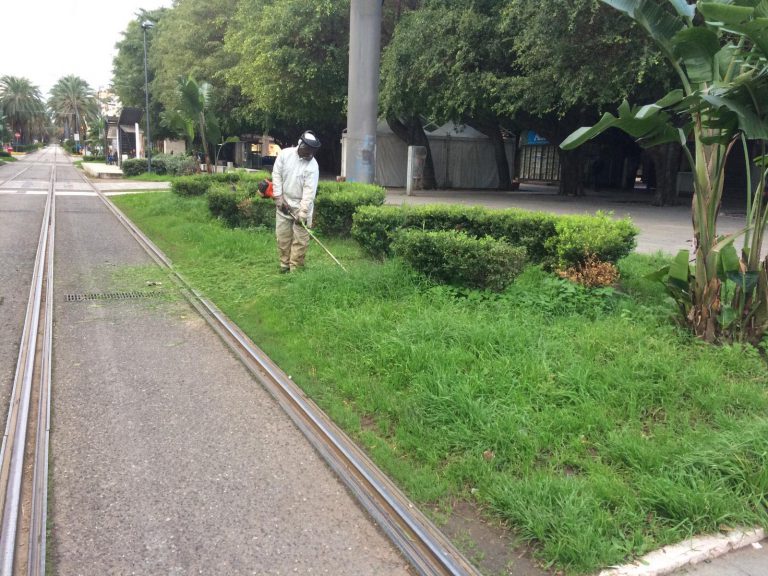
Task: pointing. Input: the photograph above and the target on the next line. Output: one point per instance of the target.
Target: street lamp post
(146, 25)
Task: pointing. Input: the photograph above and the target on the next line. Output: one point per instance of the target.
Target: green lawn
(586, 420)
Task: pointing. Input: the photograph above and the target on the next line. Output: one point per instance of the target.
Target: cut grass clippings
(585, 419)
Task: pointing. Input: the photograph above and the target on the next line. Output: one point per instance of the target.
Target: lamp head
(147, 24)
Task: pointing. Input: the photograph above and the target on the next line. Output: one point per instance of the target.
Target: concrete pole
(363, 89)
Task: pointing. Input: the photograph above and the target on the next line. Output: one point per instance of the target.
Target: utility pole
(147, 25)
(363, 90)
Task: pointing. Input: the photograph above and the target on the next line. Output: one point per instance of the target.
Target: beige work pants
(292, 242)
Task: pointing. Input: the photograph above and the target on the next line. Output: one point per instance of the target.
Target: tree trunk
(493, 131)
(666, 160)
(412, 133)
(571, 170)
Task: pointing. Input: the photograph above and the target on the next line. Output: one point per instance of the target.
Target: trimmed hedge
(336, 203)
(134, 166)
(223, 202)
(578, 238)
(454, 257)
(540, 233)
(191, 185)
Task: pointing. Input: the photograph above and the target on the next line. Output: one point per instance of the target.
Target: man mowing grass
(294, 181)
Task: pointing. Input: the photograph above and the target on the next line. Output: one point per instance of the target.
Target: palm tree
(194, 116)
(22, 106)
(74, 106)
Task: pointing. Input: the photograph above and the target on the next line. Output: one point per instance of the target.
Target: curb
(688, 552)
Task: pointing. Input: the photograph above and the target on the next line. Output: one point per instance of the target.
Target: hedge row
(453, 257)
(551, 240)
(171, 164)
(335, 204)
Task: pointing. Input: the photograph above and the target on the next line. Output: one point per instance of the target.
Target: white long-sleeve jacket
(296, 180)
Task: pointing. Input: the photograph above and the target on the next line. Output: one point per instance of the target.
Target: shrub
(454, 257)
(373, 227)
(223, 203)
(256, 212)
(580, 237)
(554, 241)
(336, 203)
(592, 273)
(191, 185)
(5, 154)
(134, 166)
(173, 164)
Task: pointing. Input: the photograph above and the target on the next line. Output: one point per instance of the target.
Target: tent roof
(457, 131)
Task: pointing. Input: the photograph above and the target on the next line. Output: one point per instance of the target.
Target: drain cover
(111, 296)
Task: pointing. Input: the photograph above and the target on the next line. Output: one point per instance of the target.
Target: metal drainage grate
(110, 296)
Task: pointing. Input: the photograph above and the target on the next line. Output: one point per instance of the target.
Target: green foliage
(579, 237)
(188, 41)
(223, 202)
(455, 258)
(336, 203)
(134, 166)
(256, 212)
(446, 62)
(574, 54)
(719, 52)
(23, 107)
(174, 164)
(292, 57)
(191, 185)
(539, 233)
(74, 106)
(610, 431)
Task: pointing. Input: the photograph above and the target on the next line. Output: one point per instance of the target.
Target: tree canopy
(23, 107)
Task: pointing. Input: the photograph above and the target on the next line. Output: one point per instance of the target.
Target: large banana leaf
(697, 48)
(649, 122)
(658, 22)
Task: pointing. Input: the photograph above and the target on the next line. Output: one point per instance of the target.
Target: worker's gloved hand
(282, 205)
(303, 216)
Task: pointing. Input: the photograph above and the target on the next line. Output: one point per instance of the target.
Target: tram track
(24, 451)
(24, 472)
(425, 547)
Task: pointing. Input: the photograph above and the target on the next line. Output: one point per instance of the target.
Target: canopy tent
(462, 156)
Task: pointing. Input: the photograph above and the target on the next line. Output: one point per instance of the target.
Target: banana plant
(719, 50)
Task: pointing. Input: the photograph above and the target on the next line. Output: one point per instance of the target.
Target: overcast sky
(43, 40)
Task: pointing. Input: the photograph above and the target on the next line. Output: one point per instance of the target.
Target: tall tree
(292, 60)
(128, 66)
(189, 41)
(446, 62)
(23, 106)
(572, 58)
(74, 106)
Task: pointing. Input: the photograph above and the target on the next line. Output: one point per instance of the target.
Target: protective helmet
(309, 139)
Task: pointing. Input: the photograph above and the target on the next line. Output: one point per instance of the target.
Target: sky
(44, 40)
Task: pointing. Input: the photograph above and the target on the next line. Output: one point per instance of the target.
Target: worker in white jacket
(294, 181)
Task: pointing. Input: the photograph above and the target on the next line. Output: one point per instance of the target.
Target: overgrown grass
(586, 419)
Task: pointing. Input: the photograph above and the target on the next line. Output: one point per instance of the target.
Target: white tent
(463, 157)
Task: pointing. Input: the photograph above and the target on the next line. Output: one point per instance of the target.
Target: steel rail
(14, 438)
(39, 511)
(428, 550)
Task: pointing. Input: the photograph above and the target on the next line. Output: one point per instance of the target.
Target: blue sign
(534, 139)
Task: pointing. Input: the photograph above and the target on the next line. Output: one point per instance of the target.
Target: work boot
(284, 269)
